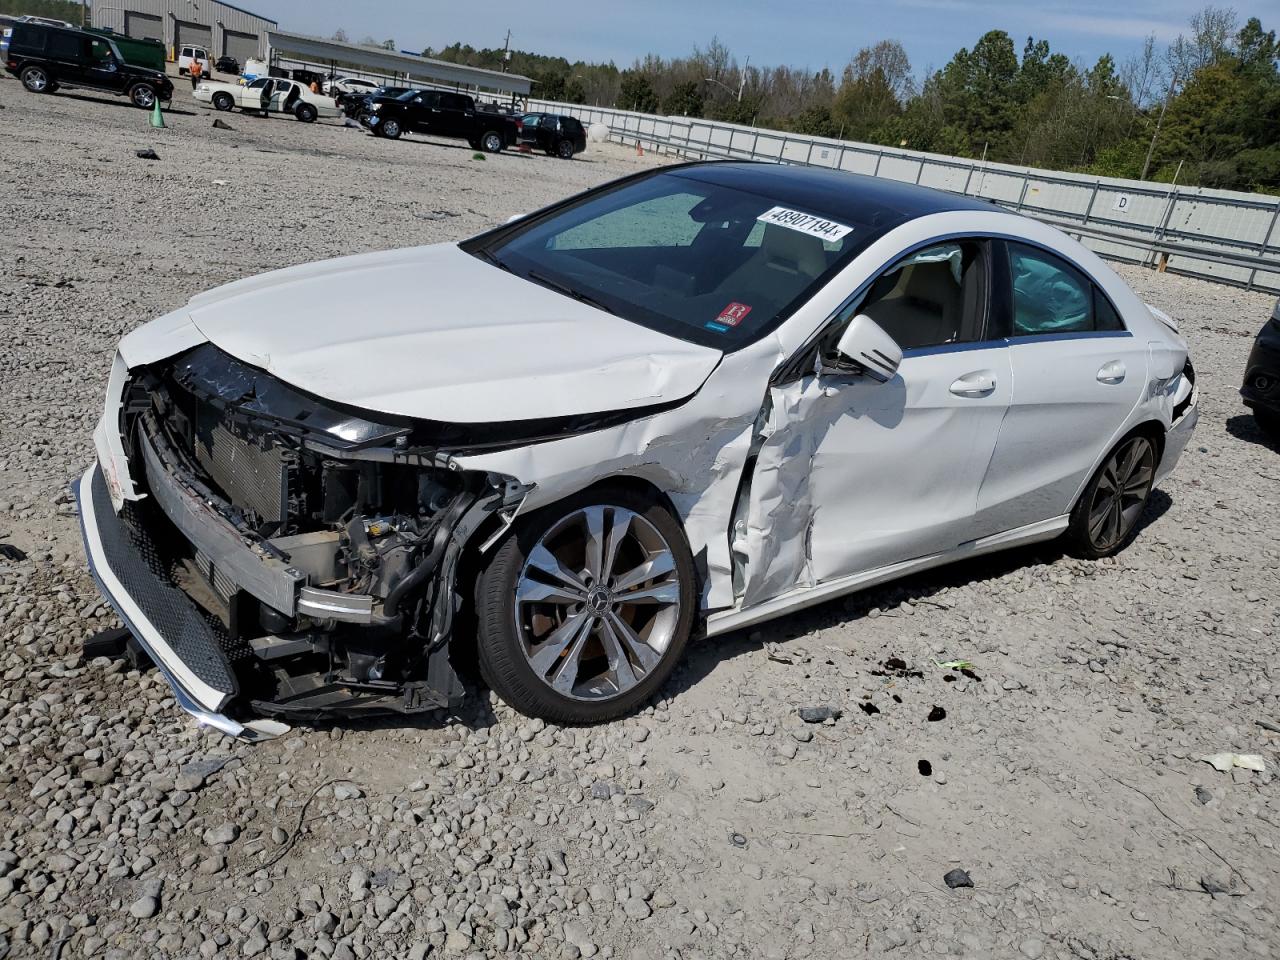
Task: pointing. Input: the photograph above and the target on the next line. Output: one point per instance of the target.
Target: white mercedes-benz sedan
(684, 402)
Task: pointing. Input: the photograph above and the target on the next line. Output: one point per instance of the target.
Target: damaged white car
(679, 404)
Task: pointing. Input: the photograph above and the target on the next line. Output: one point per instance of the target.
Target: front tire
(491, 142)
(142, 96)
(390, 128)
(223, 101)
(586, 607)
(36, 80)
(1269, 423)
(1105, 519)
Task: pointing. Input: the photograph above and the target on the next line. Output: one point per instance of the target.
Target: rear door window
(65, 46)
(1051, 296)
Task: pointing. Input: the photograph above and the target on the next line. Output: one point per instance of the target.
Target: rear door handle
(980, 383)
(1112, 372)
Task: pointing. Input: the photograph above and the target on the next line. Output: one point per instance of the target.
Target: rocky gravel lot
(1061, 774)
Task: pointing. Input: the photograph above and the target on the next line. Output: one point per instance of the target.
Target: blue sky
(813, 33)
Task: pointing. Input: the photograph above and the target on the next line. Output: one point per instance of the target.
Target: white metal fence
(1221, 235)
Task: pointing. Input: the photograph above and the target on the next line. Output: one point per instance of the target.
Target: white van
(189, 54)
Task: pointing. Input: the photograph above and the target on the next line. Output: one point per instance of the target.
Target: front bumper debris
(182, 643)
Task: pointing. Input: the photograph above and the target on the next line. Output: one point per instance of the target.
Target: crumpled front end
(274, 553)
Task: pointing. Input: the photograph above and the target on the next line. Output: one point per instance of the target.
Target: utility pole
(84, 13)
(1159, 120)
(506, 52)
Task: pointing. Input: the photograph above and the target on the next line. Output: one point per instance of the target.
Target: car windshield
(703, 261)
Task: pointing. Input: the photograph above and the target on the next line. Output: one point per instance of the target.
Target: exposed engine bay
(324, 543)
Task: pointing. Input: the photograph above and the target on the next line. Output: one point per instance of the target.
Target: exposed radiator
(252, 472)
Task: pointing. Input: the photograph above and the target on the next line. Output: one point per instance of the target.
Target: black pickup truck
(441, 114)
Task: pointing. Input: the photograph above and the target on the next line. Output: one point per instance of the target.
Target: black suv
(1261, 390)
(559, 136)
(45, 58)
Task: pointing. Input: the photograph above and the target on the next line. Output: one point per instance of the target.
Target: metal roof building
(317, 50)
(221, 28)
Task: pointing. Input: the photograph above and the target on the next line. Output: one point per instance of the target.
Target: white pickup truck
(279, 95)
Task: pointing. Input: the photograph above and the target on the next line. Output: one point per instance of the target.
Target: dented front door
(852, 475)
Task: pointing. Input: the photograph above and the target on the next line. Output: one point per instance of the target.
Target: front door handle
(980, 383)
(1112, 372)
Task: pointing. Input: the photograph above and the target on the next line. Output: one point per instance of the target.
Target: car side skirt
(728, 620)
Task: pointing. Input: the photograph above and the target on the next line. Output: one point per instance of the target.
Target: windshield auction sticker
(827, 230)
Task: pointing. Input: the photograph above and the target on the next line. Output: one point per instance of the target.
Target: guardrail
(1224, 236)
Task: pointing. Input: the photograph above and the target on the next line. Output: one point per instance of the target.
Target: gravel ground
(1064, 778)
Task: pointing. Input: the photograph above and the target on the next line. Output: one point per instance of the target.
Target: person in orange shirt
(197, 68)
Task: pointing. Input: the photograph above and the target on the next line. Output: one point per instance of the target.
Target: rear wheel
(1106, 517)
(390, 127)
(585, 609)
(565, 150)
(143, 96)
(223, 101)
(305, 112)
(36, 80)
(491, 142)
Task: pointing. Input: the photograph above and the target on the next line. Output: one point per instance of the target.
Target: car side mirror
(865, 348)
(516, 216)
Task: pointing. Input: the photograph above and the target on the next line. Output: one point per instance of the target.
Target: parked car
(227, 64)
(188, 55)
(283, 96)
(557, 135)
(1261, 390)
(684, 402)
(47, 58)
(355, 105)
(441, 114)
(339, 85)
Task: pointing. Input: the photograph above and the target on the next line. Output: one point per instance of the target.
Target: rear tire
(585, 659)
(565, 150)
(305, 112)
(491, 142)
(36, 80)
(1105, 519)
(223, 101)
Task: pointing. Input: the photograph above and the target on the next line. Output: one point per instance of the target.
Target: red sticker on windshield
(734, 314)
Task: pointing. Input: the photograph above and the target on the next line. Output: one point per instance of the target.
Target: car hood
(437, 334)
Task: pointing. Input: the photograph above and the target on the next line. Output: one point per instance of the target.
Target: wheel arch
(1150, 427)
(491, 533)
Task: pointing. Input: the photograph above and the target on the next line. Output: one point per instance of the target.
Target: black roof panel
(837, 194)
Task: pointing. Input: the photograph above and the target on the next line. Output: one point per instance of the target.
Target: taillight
(519, 126)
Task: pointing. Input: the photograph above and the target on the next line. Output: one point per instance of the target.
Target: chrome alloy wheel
(597, 603)
(492, 143)
(1121, 492)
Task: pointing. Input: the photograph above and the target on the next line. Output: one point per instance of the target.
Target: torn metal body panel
(794, 396)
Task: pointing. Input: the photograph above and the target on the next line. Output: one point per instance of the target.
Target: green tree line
(1205, 110)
